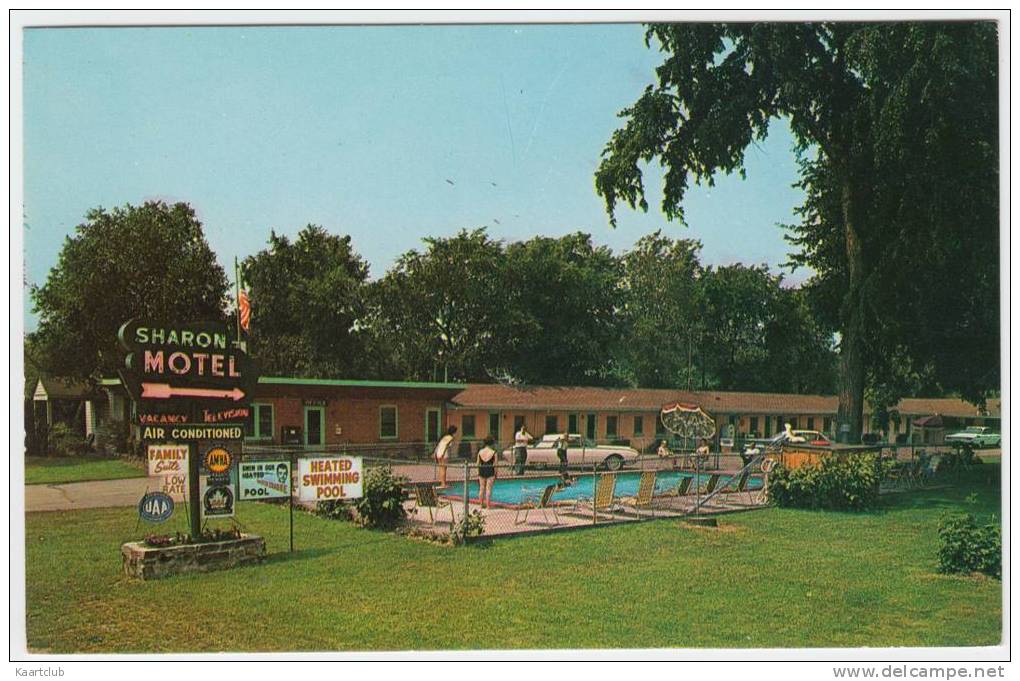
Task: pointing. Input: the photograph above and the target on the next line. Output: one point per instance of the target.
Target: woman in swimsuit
(486, 472)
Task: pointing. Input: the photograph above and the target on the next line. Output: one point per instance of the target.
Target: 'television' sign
(193, 362)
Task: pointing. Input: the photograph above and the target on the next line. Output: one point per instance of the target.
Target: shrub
(471, 525)
(382, 505)
(965, 547)
(960, 459)
(334, 509)
(844, 483)
(63, 441)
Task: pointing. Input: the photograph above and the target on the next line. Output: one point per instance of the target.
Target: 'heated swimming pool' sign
(193, 363)
(335, 477)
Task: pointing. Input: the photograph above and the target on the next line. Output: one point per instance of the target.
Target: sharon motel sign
(190, 364)
(192, 387)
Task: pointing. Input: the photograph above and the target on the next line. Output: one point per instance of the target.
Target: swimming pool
(512, 491)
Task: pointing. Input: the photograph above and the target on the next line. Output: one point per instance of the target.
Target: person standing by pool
(486, 472)
(442, 453)
(561, 454)
(521, 440)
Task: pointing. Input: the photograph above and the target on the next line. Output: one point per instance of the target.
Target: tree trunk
(850, 413)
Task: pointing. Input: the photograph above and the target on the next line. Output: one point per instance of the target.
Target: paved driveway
(97, 494)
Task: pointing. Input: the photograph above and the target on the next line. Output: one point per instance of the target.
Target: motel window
(260, 422)
(753, 425)
(828, 425)
(639, 425)
(494, 425)
(811, 423)
(552, 424)
(388, 422)
(611, 426)
(518, 422)
(660, 429)
(467, 425)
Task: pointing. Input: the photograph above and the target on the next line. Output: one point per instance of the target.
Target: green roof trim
(286, 380)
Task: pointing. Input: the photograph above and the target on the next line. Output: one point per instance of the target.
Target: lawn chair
(645, 495)
(425, 497)
(684, 488)
(740, 487)
(538, 503)
(605, 496)
(713, 482)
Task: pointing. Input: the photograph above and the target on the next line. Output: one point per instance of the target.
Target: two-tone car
(976, 437)
(580, 452)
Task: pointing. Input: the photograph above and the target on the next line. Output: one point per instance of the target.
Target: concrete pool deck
(500, 522)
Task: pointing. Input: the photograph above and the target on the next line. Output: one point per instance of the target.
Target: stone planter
(147, 562)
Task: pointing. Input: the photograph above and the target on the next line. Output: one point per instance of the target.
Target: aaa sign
(337, 477)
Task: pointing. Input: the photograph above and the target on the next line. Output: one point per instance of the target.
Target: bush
(960, 459)
(842, 483)
(471, 525)
(335, 509)
(63, 441)
(382, 505)
(965, 547)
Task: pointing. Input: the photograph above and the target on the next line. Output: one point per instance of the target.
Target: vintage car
(975, 436)
(580, 452)
(798, 437)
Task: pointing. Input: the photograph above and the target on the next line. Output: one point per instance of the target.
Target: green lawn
(771, 578)
(52, 470)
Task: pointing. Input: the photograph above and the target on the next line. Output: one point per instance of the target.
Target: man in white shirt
(521, 441)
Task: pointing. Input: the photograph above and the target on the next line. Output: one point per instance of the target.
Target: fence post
(466, 503)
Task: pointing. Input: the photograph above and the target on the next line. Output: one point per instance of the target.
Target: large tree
(445, 310)
(661, 316)
(896, 128)
(309, 303)
(563, 294)
(137, 261)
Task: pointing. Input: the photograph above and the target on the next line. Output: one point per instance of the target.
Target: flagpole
(237, 299)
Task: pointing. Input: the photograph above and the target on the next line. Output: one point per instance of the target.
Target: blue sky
(358, 129)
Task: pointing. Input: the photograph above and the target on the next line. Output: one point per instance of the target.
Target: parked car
(580, 452)
(803, 437)
(975, 436)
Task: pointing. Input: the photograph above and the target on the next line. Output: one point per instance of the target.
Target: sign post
(192, 388)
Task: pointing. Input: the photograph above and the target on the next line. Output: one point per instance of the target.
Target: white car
(579, 453)
(975, 436)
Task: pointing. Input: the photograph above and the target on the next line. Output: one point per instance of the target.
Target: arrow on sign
(164, 391)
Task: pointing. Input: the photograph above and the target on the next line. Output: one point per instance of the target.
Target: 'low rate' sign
(335, 477)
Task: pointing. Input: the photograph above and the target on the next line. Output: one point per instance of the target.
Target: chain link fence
(466, 499)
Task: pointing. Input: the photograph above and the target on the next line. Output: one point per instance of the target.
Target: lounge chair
(538, 503)
(713, 482)
(646, 492)
(425, 497)
(604, 499)
(684, 488)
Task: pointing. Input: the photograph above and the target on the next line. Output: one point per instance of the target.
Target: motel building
(405, 419)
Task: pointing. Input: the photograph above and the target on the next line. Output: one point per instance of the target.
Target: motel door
(315, 426)
(432, 425)
(591, 427)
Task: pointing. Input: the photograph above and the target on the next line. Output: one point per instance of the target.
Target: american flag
(244, 309)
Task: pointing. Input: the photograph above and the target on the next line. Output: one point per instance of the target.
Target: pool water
(513, 491)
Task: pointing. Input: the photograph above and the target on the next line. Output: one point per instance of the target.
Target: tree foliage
(137, 261)
(895, 125)
(563, 294)
(729, 328)
(308, 304)
(444, 309)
